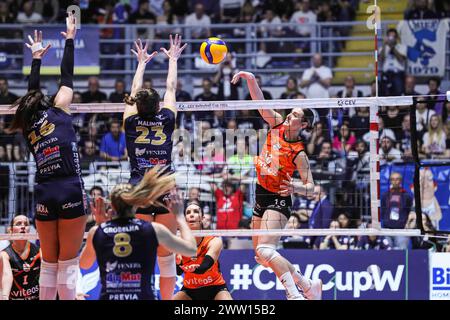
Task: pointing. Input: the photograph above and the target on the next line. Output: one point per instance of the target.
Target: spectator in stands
(388, 152)
(96, 192)
(437, 103)
(6, 16)
(207, 94)
(373, 242)
(199, 21)
(291, 88)
(410, 86)
(360, 122)
(6, 97)
(282, 8)
(194, 196)
(424, 243)
(49, 9)
(297, 242)
(207, 221)
(446, 114)
(317, 79)
(182, 95)
(423, 117)
(396, 204)
(6, 143)
(349, 90)
(324, 13)
(210, 8)
(434, 140)
(322, 213)
(326, 160)
(317, 138)
(230, 10)
(240, 164)
(267, 95)
(213, 160)
(113, 147)
(344, 141)
(142, 15)
(336, 242)
(28, 15)
(119, 92)
(392, 119)
(270, 27)
(393, 62)
(404, 138)
(93, 94)
(222, 79)
(420, 11)
(360, 164)
(147, 84)
(229, 204)
(89, 155)
(304, 19)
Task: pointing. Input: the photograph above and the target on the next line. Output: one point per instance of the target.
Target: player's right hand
(35, 45)
(244, 75)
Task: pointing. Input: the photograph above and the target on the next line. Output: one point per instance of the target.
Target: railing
(289, 52)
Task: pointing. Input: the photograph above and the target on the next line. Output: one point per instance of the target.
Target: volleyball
(213, 50)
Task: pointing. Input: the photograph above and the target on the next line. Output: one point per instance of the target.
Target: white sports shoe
(315, 291)
(298, 297)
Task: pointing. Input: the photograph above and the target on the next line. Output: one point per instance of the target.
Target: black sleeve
(207, 263)
(35, 77)
(179, 270)
(67, 63)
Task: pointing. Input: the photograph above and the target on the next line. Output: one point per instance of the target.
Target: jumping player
(148, 130)
(20, 264)
(61, 205)
(202, 277)
(125, 247)
(282, 154)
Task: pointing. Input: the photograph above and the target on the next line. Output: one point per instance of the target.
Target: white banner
(440, 276)
(426, 42)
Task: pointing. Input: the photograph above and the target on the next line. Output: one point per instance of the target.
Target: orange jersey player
(202, 277)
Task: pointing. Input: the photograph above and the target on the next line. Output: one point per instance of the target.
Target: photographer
(393, 60)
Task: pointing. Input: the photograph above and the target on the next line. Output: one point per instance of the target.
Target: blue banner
(436, 188)
(381, 275)
(86, 50)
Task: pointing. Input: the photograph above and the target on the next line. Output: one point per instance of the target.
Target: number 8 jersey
(149, 142)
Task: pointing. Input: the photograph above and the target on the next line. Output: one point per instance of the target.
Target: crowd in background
(339, 142)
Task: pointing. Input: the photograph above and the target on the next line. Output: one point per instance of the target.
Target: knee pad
(68, 273)
(266, 253)
(48, 274)
(167, 266)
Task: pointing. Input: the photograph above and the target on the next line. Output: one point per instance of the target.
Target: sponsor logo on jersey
(29, 294)
(26, 267)
(139, 152)
(48, 154)
(44, 143)
(41, 209)
(199, 281)
(123, 296)
(71, 205)
(49, 169)
(125, 279)
(115, 265)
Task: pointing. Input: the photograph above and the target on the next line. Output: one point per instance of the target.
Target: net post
(374, 168)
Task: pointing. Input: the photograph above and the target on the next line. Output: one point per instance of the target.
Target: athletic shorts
(154, 210)
(61, 199)
(265, 200)
(204, 293)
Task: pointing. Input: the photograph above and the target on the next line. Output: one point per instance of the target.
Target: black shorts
(61, 199)
(204, 293)
(154, 210)
(265, 200)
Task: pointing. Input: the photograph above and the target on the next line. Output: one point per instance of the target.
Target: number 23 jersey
(149, 142)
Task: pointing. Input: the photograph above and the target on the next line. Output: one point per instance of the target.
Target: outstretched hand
(35, 45)
(175, 49)
(141, 52)
(100, 211)
(71, 24)
(244, 75)
(175, 204)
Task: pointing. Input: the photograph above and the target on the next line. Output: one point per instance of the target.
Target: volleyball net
(381, 165)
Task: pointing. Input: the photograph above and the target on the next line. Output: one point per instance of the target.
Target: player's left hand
(190, 268)
(99, 211)
(35, 45)
(287, 187)
(141, 52)
(175, 49)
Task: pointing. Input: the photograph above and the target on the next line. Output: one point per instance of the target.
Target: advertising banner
(440, 276)
(86, 50)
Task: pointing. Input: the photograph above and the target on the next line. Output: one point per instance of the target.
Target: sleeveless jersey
(149, 142)
(53, 143)
(212, 277)
(276, 160)
(25, 273)
(126, 255)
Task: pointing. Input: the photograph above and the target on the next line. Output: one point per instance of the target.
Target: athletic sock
(67, 279)
(288, 282)
(301, 281)
(47, 280)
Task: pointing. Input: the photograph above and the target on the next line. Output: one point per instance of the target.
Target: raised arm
(173, 54)
(64, 96)
(272, 117)
(143, 58)
(38, 52)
